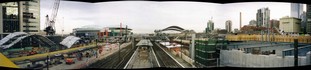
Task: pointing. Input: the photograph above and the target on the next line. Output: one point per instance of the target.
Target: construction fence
(237, 58)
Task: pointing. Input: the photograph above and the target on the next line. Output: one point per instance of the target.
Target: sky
(147, 16)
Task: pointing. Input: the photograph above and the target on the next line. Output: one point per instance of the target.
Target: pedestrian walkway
(88, 61)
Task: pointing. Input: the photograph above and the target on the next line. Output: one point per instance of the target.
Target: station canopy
(13, 37)
(69, 41)
(165, 43)
(144, 42)
(170, 45)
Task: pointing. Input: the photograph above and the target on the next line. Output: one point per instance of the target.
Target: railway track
(112, 61)
(164, 59)
(143, 57)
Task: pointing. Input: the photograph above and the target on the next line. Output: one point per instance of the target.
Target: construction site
(119, 47)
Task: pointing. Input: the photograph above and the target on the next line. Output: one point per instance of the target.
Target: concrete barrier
(239, 59)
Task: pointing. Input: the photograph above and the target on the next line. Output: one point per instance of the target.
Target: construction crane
(50, 22)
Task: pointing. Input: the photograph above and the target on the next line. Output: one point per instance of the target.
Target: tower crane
(50, 22)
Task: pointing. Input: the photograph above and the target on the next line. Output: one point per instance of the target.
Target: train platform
(142, 60)
(87, 61)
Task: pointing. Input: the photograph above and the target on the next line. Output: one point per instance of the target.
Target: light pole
(96, 46)
(133, 42)
(119, 51)
(181, 48)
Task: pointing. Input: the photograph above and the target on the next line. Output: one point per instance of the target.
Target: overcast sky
(146, 16)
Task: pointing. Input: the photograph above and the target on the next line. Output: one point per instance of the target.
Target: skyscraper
(296, 10)
(308, 24)
(229, 26)
(22, 16)
(210, 26)
(303, 22)
(263, 17)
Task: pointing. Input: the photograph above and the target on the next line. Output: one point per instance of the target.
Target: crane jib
(50, 22)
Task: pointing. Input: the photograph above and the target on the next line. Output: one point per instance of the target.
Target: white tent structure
(69, 41)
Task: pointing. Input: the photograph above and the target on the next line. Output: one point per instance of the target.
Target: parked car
(70, 60)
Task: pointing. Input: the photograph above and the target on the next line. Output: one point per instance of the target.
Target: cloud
(156, 15)
(147, 16)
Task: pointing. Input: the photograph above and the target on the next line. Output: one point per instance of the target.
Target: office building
(290, 24)
(303, 22)
(308, 20)
(296, 10)
(22, 16)
(229, 26)
(263, 17)
(210, 26)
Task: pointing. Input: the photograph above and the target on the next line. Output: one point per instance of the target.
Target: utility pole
(63, 27)
(296, 52)
(126, 34)
(96, 40)
(133, 42)
(119, 51)
(120, 41)
(181, 47)
(261, 36)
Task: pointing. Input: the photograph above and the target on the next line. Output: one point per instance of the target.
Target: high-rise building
(308, 20)
(31, 16)
(22, 16)
(263, 17)
(274, 23)
(296, 10)
(210, 26)
(303, 22)
(252, 23)
(229, 26)
(290, 24)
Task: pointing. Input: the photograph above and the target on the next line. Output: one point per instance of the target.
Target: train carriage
(144, 46)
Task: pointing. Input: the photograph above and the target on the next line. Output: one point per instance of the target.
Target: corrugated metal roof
(69, 41)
